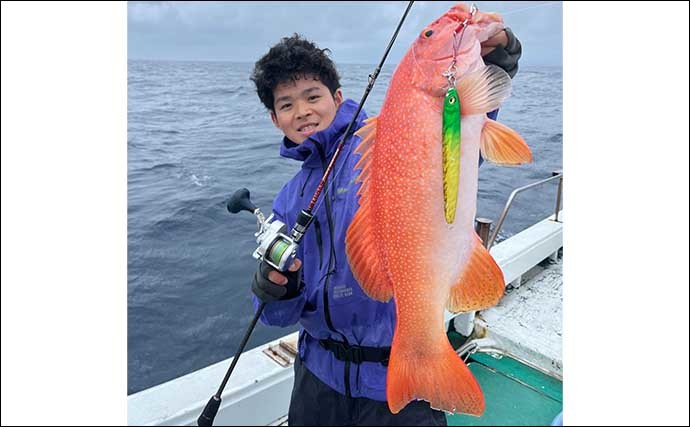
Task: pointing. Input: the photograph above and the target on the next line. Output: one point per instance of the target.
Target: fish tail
(440, 378)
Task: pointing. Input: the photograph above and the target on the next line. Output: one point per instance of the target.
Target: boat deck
(517, 357)
(527, 322)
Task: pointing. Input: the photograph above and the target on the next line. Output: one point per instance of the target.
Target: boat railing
(483, 225)
(489, 346)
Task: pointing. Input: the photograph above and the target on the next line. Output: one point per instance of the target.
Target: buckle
(356, 354)
(339, 350)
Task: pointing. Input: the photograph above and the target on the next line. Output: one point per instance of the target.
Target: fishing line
(528, 8)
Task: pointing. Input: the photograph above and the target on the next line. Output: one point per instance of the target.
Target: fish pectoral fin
(360, 241)
(483, 91)
(503, 146)
(480, 285)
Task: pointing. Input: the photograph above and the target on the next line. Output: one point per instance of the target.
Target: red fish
(412, 237)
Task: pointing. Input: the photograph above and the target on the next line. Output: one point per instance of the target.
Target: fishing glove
(506, 57)
(268, 291)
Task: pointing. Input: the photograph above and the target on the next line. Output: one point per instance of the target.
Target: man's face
(304, 107)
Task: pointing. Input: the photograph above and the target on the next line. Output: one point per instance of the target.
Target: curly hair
(293, 58)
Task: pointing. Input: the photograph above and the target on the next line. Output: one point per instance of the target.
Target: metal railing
(488, 345)
(483, 225)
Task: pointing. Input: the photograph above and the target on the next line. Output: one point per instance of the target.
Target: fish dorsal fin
(501, 145)
(368, 135)
(480, 284)
(360, 240)
(483, 90)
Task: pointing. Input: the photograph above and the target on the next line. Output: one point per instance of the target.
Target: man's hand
(270, 284)
(504, 50)
(500, 38)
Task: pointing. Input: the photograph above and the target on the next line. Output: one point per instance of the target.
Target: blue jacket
(331, 304)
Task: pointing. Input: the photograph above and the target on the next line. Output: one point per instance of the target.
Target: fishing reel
(276, 247)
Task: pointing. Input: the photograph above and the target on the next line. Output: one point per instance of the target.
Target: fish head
(451, 43)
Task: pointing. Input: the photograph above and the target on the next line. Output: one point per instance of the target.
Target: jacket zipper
(301, 194)
(331, 258)
(319, 240)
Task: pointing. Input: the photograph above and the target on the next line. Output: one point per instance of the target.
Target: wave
(558, 137)
(225, 91)
(165, 131)
(159, 167)
(199, 181)
(187, 217)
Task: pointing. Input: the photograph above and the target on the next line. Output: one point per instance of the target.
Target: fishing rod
(277, 248)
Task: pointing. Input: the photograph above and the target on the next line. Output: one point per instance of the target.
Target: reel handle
(240, 202)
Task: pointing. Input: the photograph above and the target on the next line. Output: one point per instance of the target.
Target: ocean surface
(196, 133)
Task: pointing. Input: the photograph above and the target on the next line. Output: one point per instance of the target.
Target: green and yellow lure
(451, 152)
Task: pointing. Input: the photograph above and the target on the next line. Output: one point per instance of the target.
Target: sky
(355, 32)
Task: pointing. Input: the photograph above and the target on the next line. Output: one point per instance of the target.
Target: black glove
(268, 291)
(506, 57)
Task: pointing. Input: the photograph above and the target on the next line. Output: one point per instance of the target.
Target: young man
(345, 336)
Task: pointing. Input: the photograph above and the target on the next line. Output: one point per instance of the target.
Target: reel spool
(275, 247)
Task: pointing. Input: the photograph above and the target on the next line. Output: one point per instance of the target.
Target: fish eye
(451, 100)
(427, 33)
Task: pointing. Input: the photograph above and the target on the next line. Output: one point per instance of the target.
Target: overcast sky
(356, 32)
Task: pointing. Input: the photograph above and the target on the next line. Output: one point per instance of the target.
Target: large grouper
(412, 238)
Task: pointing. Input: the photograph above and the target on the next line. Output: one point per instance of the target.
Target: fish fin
(480, 284)
(368, 135)
(501, 145)
(483, 90)
(360, 243)
(439, 377)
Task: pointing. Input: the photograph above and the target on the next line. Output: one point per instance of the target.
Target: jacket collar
(308, 152)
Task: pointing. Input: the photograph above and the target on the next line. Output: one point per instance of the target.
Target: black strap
(356, 354)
